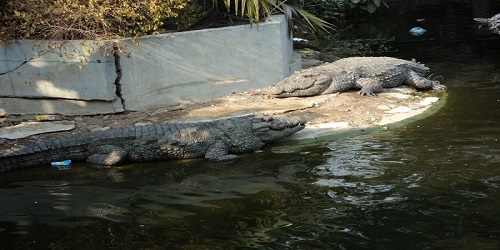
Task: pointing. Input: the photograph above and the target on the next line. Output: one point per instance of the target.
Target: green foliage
(332, 9)
(90, 19)
(368, 5)
(358, 47)
(292, 9)
(346, 43)
(253, 9)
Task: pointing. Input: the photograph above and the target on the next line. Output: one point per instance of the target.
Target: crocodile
(217, 140)
(369, 74)
(492, 23)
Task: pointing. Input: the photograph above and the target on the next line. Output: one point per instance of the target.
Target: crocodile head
(308, 82)
(249, 133)
(268, 128)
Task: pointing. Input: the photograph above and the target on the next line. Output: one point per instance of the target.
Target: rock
(32, 128)
(93, 128)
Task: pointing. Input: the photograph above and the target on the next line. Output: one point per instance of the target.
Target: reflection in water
(353, 173)
(430, 184)
(153, 196)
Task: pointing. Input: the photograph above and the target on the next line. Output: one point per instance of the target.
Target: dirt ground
(326, 114)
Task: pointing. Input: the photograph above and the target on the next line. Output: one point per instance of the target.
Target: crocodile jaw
(271, 128)
(308, 82)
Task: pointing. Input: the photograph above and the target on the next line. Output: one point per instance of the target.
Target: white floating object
(417, 31)
(300, 40)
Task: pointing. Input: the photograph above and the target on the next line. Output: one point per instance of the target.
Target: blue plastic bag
(417, 31)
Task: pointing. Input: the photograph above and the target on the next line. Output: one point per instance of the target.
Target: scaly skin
(369, 74)
(215, 140)
(492, 23)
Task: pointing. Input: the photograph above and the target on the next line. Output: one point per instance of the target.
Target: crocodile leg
(369, 86)
(219, 152)
(106, 156)
(417, 81)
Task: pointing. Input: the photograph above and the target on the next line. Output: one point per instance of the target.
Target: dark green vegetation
(345, 41)
(294, 10)
(108, 19)
(92, 19)
(338, 9)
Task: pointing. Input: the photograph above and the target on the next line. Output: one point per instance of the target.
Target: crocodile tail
(41, 153)
(19, 160)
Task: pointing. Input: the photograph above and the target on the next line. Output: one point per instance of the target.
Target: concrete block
(10, 106)
(33, 128)
(295, 62)
(79, 70)
(171, 68)
(80, 77)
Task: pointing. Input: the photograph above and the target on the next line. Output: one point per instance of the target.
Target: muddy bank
(326, 114)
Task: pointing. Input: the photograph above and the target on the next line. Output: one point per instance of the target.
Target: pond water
(429, 184)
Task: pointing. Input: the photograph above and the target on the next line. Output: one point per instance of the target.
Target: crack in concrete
(119, 73)
(25, 62)
(15, 68)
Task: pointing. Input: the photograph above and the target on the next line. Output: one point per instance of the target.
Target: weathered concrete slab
(10, 106)
(32, 128)
(165, 69)
(79, 70)
(172, 68)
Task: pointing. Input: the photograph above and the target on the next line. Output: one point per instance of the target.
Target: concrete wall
(56, 77)
(84, 77)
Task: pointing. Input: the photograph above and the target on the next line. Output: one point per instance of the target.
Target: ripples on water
(430, 184)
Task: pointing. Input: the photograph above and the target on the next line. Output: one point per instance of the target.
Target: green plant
(333, 9)
(368, 5)
(326, 9)
(292, 9)
(336, 46)
(87, 19)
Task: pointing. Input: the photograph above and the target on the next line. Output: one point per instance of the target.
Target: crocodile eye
(265, 118)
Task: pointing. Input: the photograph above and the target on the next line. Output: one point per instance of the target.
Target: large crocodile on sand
(215, 140)
(369, 74)
(492, 23)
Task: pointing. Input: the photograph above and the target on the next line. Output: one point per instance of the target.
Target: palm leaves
(255, 9)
